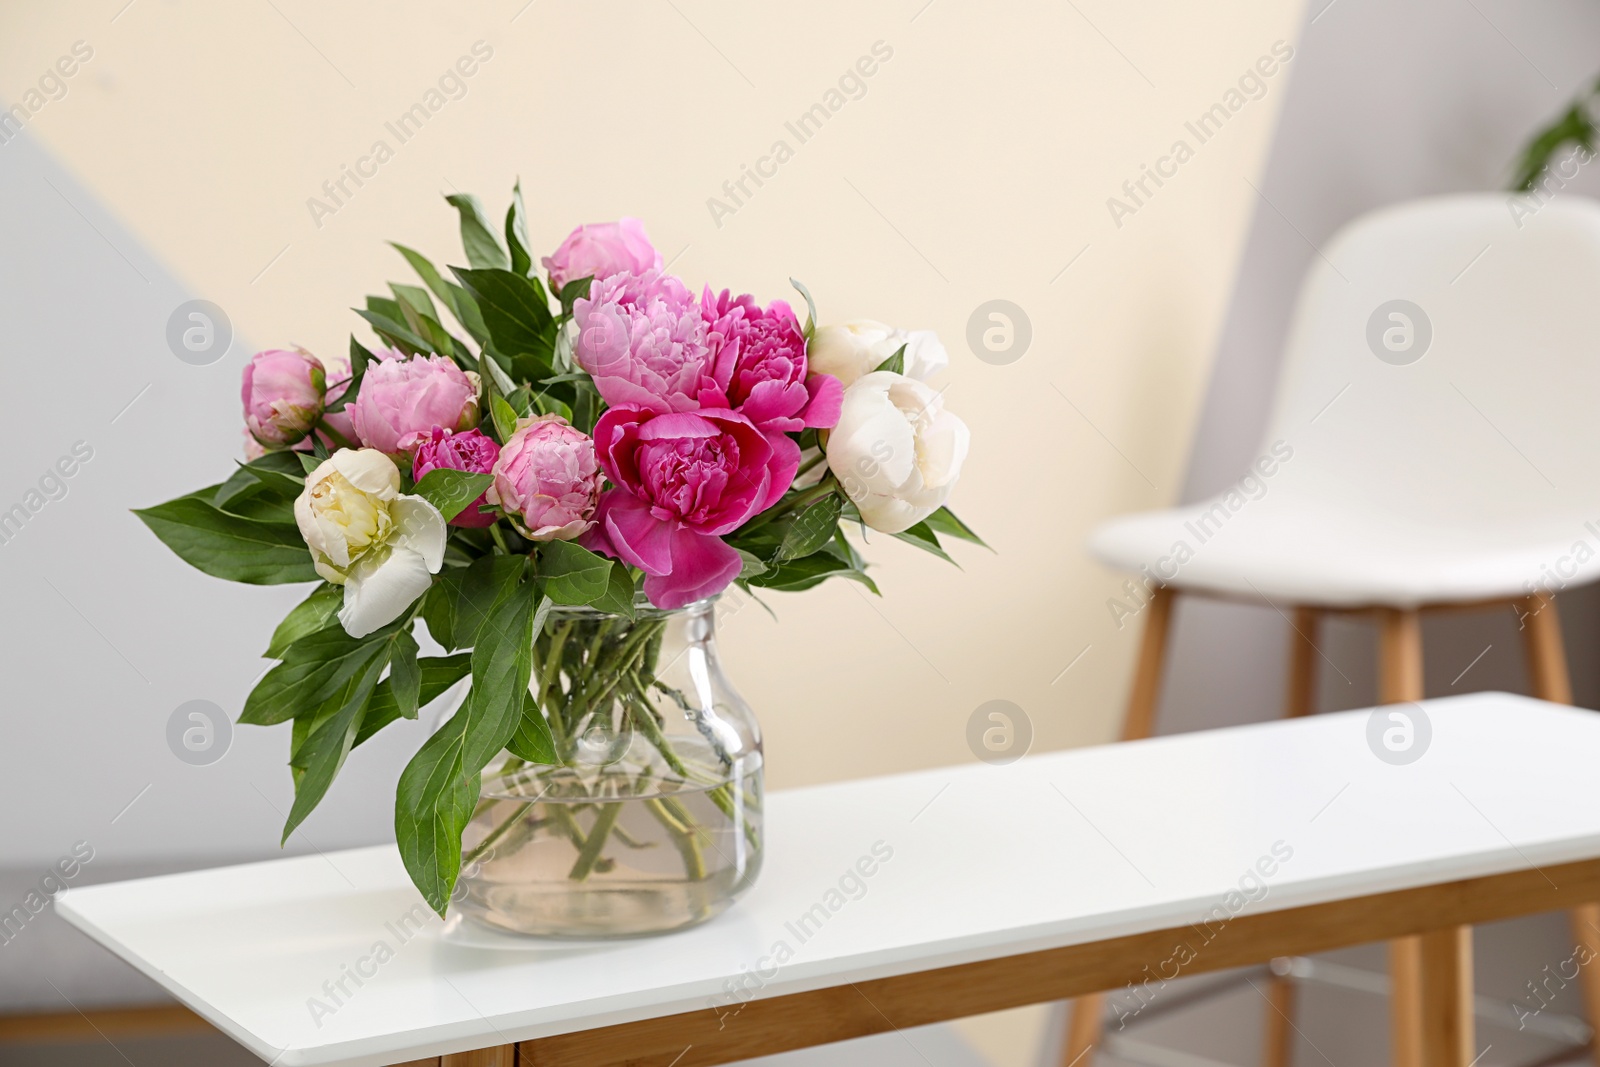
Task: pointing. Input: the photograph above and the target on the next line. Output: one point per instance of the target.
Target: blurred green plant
(1575, 126)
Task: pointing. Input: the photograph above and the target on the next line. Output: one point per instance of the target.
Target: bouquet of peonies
(602, 437)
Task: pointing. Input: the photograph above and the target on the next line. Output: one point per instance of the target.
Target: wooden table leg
(1447, 1023)
(1083, 1029)
(1405, 1001)
(1278, 1041)
(501, 1056)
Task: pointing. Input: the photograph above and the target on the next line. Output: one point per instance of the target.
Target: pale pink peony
(470, 450)
(644, 341)
(403, 395)
(600, 250)
(547, 479)
(683, 479)
(282, 392)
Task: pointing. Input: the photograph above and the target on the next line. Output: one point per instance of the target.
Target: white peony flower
(854, 349)
(896, 451)
(381, 546)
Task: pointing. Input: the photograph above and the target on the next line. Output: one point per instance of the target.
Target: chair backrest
(1443, 364)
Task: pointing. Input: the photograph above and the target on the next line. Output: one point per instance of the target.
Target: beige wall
(990, 142)
(976, 166)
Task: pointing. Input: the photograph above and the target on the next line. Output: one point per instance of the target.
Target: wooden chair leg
(1084, 1028)
(1302, 695)
(1300, 699)
(1447, 1034)
(1140, 719)
(1549, 680)
(1547, 658)
(1400, 680)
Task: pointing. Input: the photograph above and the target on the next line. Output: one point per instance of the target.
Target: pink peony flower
(683, 479)
(470, 450)
(403, 395)
(600, 250)
(759, 357)
(644, 341)
(547, 479)
(282, 394)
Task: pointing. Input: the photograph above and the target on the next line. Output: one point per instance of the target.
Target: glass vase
(649, 820)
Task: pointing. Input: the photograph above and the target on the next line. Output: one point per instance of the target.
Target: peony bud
(547, 479)
(282, 394)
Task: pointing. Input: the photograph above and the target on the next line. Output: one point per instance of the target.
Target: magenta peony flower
(282, 394)
(547, 479)
(470, 450)
(600, 250)
(644, 341)
(759, 357)
(683, 479)
(402, 395)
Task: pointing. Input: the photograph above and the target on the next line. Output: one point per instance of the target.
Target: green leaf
(451, 490)
(504, 417)
(811, 309)
(753, 564)
(393, 332)
(517, 313)
(924, 538)
(533, 740)
(460, 303)
(227, 546)
(799, 574)
(517, 232)
(313, 668)
(574, 291)
(811, 529)
(477, 233)
(315, 612)
(944, 521)
(572, 574)
(360, 359)
(308, 461)
(324, 751)
(618, 597)
(438, 674)
(440, 786)
(260, 490)
(895, 363)
(405, 676)
(459, 600)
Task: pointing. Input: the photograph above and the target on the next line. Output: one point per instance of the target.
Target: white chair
(1434, 444)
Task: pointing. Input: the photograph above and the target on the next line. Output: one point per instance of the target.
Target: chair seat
(1299, 551)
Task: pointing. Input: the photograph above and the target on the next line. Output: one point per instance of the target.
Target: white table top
(1056, 849)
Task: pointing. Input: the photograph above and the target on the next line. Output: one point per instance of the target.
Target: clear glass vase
(650, 819)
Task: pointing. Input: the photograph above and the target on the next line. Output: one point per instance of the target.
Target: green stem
(694, 863)
(598, 833)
